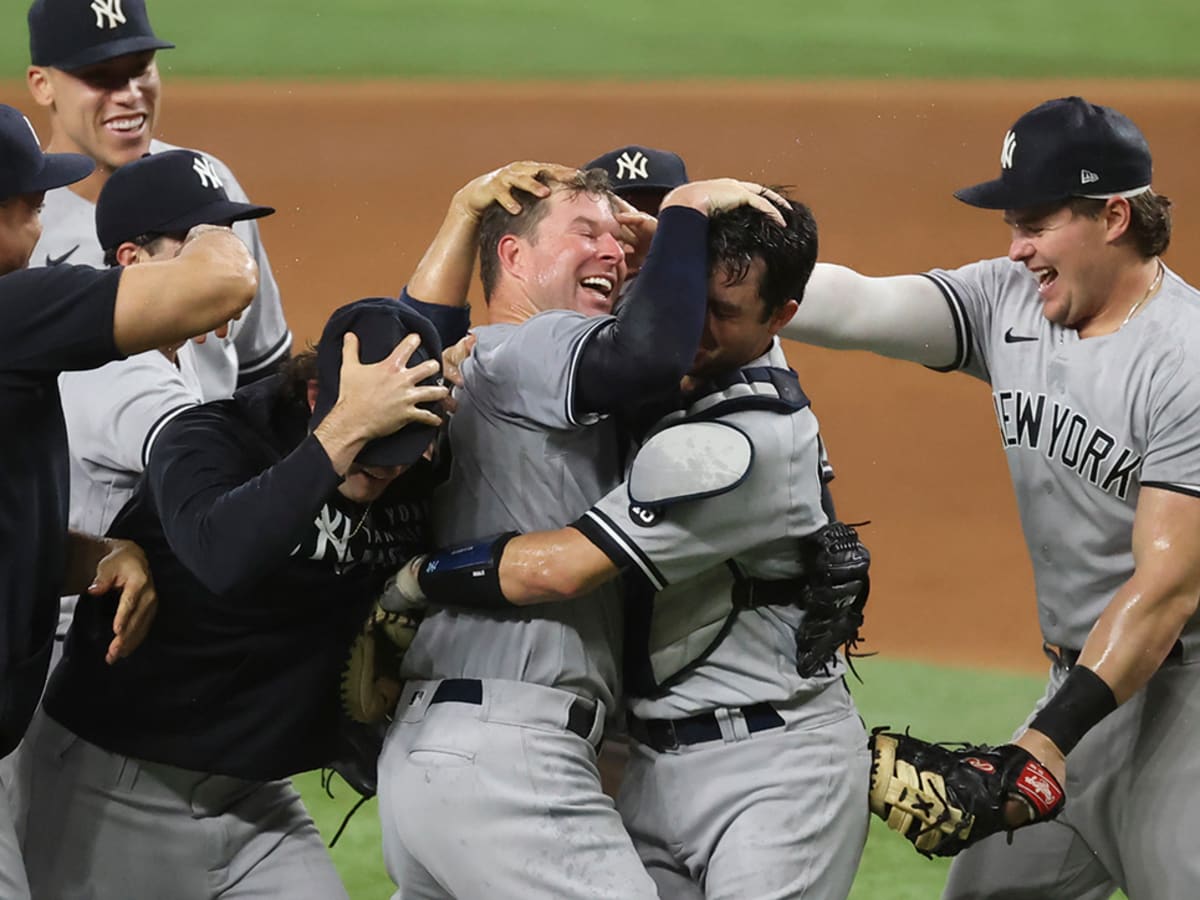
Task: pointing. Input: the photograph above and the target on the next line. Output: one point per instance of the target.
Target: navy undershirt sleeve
(452, 322)
(651, 343)
(230, 522)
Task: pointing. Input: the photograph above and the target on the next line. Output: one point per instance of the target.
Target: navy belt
(580, 717)
(669, 734)
(1068, 658)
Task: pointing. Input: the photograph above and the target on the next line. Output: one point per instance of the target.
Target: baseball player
(488, 783)
(73, 317)
(93, 70)
(642, 176)
(271, 521)
(1092, 347)
(737, 733)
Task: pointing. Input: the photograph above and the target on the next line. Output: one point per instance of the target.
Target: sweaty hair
(148, 241)
(736, 237)
(297, 371)
(1149, 220)
(496, 221)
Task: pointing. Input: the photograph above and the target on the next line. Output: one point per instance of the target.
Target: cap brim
(401, 448)
(996, 194)
(217, 212)
(111, 50)
(60, 170)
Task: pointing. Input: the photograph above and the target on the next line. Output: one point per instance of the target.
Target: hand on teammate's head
(383, 397)
(637, 233)
(718, 194)
(498, 186)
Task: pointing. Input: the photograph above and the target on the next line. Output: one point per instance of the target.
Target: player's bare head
(738, 236)
(92, 67)
(555, 243)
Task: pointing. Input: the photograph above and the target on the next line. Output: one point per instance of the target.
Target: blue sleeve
(226, 517)
(651, 343)
(452, 322)
(58, 318)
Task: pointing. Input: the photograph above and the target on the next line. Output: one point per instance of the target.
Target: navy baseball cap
(164, 193)
(380, 323)
(1066, 148)
(71, 34)
(24, 168)
(636, 168)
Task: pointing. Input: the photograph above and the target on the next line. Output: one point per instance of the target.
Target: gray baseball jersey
(113, 415)
(1085, 424)
(697, 813)
(256, 341)
(683, 556)
(524, 462)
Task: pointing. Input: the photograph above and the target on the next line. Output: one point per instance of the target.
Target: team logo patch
(644, 515)
(108, 13)
(631, 167)
(1039, 787)
(208, 174)
(981, 764)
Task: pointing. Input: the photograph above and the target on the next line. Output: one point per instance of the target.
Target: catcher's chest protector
(690, 455)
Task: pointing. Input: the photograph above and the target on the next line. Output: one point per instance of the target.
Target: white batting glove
(403, 593)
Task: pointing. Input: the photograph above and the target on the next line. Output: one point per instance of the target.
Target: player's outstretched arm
(210, 282)
(901, 316)
(443, 276)
(1136, 631)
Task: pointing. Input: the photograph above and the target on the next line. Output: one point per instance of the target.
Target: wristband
(467, 576)
(1082, 701)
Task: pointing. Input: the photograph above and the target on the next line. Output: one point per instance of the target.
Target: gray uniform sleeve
(261, 336)
(1172, 459)
(777, 502)
(530, 373)
(975, 293)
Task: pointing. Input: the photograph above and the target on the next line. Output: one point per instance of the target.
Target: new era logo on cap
(1053, 151)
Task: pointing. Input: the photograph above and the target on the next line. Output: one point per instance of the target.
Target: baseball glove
(371, 677)
(836, 564)
(945, 797)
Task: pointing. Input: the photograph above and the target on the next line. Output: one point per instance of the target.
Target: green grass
(636, 39)
(939, 703)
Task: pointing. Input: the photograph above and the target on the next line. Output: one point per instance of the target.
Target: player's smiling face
(573, 259)
(106, 110)
(1064, 252)
(736, 326)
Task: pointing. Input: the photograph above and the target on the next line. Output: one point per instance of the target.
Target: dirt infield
(361, 174)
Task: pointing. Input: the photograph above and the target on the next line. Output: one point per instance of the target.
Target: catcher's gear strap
(1082, 701)
(468, 575)
(689, 461)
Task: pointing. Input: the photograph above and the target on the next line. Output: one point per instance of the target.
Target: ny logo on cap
(110, 9)
(1007, 151)
(632, 166)
(208, 175)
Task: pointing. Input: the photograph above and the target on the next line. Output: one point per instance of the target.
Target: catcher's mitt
(944, 798)
(836, 565)
(371, 677)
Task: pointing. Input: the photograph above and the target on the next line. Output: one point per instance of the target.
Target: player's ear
(1117, 216)
(782, 316)
(312, 389)
(127, 254)
(509, 252)
(41, 88)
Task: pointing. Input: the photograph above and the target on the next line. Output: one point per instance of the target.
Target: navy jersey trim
(1191, 490)
(962, 325)
(159, 424)
(604, 533)
(573, 373)
(279, 349)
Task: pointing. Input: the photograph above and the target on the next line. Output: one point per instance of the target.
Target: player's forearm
(903, 317)
(549, 566)
(443, 275)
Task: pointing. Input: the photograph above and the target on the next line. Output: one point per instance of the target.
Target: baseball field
(357, 120)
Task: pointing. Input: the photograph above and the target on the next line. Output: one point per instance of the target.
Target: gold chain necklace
(361, 520)
(1154, 286)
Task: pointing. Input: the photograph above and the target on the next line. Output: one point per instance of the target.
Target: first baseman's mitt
(944, 798)
(371, 677)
